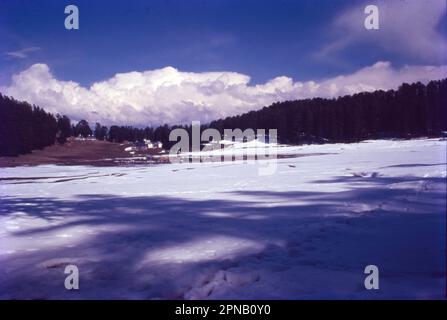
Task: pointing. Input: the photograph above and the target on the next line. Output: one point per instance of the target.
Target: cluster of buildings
(145, 146)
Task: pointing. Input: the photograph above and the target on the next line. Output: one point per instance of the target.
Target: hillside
(73, 152)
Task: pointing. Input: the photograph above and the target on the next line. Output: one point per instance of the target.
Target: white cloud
(170, 96)
(407, 28)
(22, 53)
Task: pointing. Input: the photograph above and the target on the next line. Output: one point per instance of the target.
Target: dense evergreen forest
(411, 111)
(24, 127)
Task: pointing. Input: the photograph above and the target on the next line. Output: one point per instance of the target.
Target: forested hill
(24, 128)
(412, 110)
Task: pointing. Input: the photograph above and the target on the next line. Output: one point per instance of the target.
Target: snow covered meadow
(221, 230)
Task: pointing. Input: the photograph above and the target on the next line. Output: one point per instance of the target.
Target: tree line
(413, 110)
(25, 127)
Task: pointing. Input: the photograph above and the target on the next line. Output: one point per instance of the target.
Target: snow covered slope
(221, 230)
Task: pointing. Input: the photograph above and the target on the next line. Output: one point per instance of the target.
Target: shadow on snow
(399, 228)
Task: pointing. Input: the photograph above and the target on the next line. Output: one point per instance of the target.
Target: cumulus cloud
(170, 96)
(407, 28)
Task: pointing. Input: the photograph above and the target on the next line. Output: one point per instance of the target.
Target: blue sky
(260, 38)
(303, 40)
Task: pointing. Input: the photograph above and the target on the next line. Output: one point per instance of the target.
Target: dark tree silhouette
(100, 132)
(24, 127)
(63, 129)
(82, 129)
